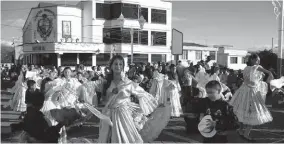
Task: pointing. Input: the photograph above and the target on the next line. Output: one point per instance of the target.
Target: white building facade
(196, 52)
(90, 32)
(232, 58)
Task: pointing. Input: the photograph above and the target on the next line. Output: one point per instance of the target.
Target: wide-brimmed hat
(277, 83)
(204, 129)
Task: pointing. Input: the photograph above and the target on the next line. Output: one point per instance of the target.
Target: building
(197, 52)
(90, 32)
(232, 58)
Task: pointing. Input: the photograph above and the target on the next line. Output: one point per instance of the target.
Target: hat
(204, 129)
(277, 83)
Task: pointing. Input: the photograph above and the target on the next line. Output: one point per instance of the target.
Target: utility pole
(280, 40)
(272, 45)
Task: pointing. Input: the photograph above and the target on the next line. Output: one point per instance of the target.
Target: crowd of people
(139, 103)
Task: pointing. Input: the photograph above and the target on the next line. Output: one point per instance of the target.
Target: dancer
(190, 95)
(247, 101)
(127, 117)
(175, 94)
(17, 103)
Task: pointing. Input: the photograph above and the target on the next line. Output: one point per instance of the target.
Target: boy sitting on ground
(35, 126)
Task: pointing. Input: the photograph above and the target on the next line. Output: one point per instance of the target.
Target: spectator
(35, 126)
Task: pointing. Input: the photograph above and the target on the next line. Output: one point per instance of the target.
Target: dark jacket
(37, 127)
(221, 111)
(30, 95)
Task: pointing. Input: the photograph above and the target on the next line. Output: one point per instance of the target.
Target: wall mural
(44, 22)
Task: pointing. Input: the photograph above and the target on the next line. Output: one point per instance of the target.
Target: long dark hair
(213, 70)
(172, 75)
(109, 77)
(66, 68)
(251, 58)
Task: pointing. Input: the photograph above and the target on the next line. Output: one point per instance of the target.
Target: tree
(268, 59)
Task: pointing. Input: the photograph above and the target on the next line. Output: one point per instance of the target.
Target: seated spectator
(36, 128)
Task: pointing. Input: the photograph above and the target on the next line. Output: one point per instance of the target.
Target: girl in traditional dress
(156, 83)
(17, 103)
(127, 117)
(247, 101)
(214, 72)
(175, 94)
(263, 87)
(61, 93)
(48, 105)
(190, 95)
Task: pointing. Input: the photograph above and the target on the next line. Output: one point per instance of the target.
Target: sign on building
(177, 42)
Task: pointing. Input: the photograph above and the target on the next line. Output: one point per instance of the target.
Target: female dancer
(175, 94)
(214, 72)
(48, 105)
(61, 93)
(17, 103)
(190, 95)
(247, 102)
(127, 117)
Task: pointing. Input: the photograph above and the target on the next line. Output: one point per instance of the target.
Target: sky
(245, 25)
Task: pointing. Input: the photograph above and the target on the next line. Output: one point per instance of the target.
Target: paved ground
(174, 132)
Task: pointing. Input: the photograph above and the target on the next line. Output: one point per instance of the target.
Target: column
(149, 58)
(216, 55)
(149, 38)
(94, 59)
(32, 59)
(78, 58)
(125, 57)
(149, 15)
(58, 59)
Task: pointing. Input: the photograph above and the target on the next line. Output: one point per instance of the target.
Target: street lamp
(112, 51)
(141, 21)
(280, 40)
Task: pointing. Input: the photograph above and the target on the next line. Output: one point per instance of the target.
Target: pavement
(174, 132)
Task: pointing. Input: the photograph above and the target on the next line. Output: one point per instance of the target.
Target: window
(185, 54)
(126, 36)
(138, 58)
(85, 59)
(159, 38)
(103, 59)
(103, 11)
(212, 55)
(118, 35)
(69, 59)
(244, 61)
(112, 35)
(116, 9)
(113, 11)
(143, 37)
(157, 58)
(233, 60)
(198, 55)
(130, 11)
(144, 13)
(159, 16)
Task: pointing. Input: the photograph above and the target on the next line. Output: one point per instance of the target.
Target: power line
(17, 9)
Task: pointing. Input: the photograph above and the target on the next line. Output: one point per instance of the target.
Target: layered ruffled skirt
(249, 106)
(17, 103)
(175, 103)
